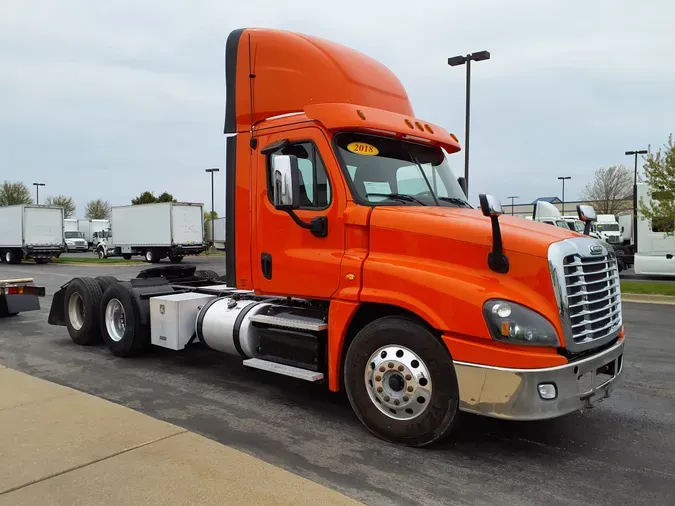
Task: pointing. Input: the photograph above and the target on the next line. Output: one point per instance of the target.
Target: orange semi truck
(354, 258)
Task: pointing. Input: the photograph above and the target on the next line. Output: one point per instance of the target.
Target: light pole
(563, 178)
(37, 192)
(635, 153)
(512, 204)
(454, 62)
(213, 239)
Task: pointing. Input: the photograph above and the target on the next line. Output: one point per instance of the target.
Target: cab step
(284, 370)
(291, 321)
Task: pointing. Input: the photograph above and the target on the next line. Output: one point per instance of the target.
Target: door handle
(266, 265)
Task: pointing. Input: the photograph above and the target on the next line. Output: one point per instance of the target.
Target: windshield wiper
(455, 200)
(397, 196)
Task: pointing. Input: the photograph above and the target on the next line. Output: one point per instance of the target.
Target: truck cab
(607, 229)
(354, 258)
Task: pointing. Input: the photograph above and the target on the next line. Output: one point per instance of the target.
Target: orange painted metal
(431, 261)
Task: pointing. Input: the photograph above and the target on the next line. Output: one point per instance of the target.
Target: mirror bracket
(318, 226)
(497, 260)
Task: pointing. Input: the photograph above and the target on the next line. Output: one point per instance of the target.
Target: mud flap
(57, 311)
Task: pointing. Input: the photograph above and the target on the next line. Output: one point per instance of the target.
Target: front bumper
(514, 393)
(77, 247)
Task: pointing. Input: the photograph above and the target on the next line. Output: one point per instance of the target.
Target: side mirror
(462, 183)
(490, 205)
(587, 215)
(492, 208)
(285, 182)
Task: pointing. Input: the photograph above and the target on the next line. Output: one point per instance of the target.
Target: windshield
(608, 227)
(74, 235)
(394, 172)
(561, 224)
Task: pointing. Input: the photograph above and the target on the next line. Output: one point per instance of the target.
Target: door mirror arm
(286, 193)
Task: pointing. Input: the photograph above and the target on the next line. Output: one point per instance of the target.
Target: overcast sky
(107, 99)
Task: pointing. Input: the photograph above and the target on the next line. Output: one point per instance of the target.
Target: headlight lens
(512, 323)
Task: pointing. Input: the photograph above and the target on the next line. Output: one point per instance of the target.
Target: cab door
(290, 259)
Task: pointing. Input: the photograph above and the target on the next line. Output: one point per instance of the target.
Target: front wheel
(101, 253)
(401, 382)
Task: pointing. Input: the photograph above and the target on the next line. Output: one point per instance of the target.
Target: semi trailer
(353, 258)
(31, 232)
(154, 231)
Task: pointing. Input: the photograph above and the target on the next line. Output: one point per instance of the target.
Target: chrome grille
(593, 296)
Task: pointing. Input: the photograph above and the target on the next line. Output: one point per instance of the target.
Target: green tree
(12, 194)
(98, 209)
(62, 201)
(149, 198)
(659, 169)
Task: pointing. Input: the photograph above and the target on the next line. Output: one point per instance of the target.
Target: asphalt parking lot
(622, 452)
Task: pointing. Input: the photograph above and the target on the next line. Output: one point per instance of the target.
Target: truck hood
(470, 226)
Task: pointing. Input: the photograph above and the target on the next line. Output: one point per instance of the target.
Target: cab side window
(315, 189)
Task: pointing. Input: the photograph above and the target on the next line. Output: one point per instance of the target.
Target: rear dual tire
(103, 310)
(401, 382)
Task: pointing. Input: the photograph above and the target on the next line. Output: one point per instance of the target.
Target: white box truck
(655, 251)
(70, 225)
(218, 232)
(30, 231)
(155, 231)
(90, 227)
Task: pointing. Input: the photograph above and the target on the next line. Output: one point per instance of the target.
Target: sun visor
(357, 117)
(274, 72)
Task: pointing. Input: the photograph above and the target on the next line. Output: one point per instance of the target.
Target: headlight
(512, 323)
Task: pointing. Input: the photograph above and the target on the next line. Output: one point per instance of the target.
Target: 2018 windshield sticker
(362, 148)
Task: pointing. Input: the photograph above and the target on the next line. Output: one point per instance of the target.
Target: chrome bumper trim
(514, 394)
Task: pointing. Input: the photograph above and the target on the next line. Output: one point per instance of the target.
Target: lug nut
(391, 365)
(379, 390)
(408, 377)
(397, 402)
(400, 367)
(382, 369)
(386, 398)
(410, 389)
(378, 378)
(406, 398)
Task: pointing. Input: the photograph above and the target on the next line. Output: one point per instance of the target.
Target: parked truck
(90, 227)
(340, 269)
(607, 229)
(654, 254)
(70, 225)
(29, 231)
(154, 231)
(218, 238)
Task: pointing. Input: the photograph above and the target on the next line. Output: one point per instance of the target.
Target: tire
(41, 261)
(105, 281)
(100, 252)
(11, 257)
(82, 303)
(206, 274)
(128, 339)
(176, 260)
(432, 406)
(126, 256)
(151, 256)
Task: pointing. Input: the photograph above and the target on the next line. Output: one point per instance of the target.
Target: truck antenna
(253, 142)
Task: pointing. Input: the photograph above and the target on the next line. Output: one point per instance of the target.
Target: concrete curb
(644, 298)
(63, 446)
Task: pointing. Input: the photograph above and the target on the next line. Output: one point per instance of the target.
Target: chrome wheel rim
(76, 311)
(398, 382)
(115, 320)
